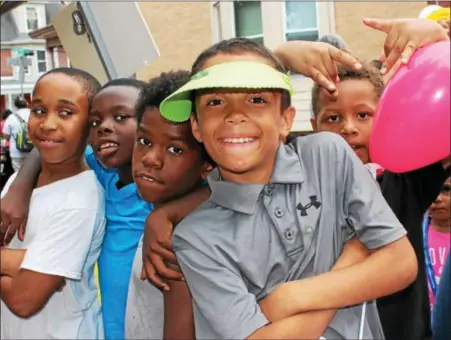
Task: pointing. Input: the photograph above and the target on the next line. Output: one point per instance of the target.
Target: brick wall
(181, 30)
(6, 69)
(440, 3)
(365, 42)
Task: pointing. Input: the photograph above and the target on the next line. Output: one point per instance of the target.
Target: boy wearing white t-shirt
(47, 288)
(12, 128)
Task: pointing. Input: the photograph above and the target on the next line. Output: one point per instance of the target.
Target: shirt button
(269, 189)
(289, 234)
(309, 230)
(278, 212)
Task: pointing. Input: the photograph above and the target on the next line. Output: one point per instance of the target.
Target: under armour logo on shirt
(313, 203)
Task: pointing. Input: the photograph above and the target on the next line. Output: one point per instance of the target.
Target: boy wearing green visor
(257, 256)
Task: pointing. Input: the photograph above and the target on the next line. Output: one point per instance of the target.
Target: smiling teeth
(108, 145)
(147, 179)
(238, 140)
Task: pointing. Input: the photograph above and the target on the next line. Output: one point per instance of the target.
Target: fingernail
(403, 59)
(357, 65)
(166, 289)
(331, 87)
(383, 70)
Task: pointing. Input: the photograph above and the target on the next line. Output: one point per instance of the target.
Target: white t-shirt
(64, 233)
(12, 128)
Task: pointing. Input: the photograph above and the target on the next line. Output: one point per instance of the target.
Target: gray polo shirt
(247, 239)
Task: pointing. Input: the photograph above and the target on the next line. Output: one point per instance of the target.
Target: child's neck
(54, 172)
(442, 226)
(259, 176)
(125, 175)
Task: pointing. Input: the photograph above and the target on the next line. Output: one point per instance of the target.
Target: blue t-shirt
(126, 213)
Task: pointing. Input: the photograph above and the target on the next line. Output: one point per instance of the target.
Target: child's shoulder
(82, 191)
(319, 145)
(319, 139)
(205, 223)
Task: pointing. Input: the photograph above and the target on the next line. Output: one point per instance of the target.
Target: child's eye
(121, 117)
(363, 115)
(65, 112)
(94, 123)
(214, 102)
(144, 141)
(333, 119)
(257, 100)
(175, 150)
(38, 111)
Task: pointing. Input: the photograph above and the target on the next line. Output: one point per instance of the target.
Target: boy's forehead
(154, 124)
(117, 95)
(350, 91)
(61, 87)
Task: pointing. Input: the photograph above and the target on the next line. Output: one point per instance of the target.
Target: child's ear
(313, 124)
(195, 128)
(287, 121)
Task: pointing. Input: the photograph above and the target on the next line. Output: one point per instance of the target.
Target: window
(301, 21)
(32, 19)
(248, 20)
(217, 21)
(41, 61)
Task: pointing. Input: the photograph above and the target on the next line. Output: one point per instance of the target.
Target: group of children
(296, 239)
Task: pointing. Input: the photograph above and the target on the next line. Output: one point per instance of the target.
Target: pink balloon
(411, 128)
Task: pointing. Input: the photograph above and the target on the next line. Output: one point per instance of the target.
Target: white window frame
(26, 17)
(310, 29)
(216, 21)
(254, 36)
(46, 61)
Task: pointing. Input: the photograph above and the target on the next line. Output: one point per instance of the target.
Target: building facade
(276, 22)
(17, 25)
(183, 29)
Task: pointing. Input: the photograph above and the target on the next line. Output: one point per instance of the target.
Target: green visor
(236, 75)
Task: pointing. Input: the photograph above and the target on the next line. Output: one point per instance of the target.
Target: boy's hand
(13, 213)
(274, 305)
(404, 37)
(316, 60)
(157, 249)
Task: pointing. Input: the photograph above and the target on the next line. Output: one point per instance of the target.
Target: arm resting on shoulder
(178, 209)
(11, 259)
(29, 172)
(28, 293)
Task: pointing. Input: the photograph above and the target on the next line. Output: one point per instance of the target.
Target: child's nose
(349, 127)
(49, 123)
(105, 127)
(152, 159)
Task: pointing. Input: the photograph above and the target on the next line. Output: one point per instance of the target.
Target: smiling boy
(276, 214)
(66, 225)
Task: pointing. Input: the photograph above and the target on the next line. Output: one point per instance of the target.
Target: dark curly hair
(236, 46)
(88, 82)
(160, 88)
(368, 72)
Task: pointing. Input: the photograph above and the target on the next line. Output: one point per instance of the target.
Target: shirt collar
(243, 198)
